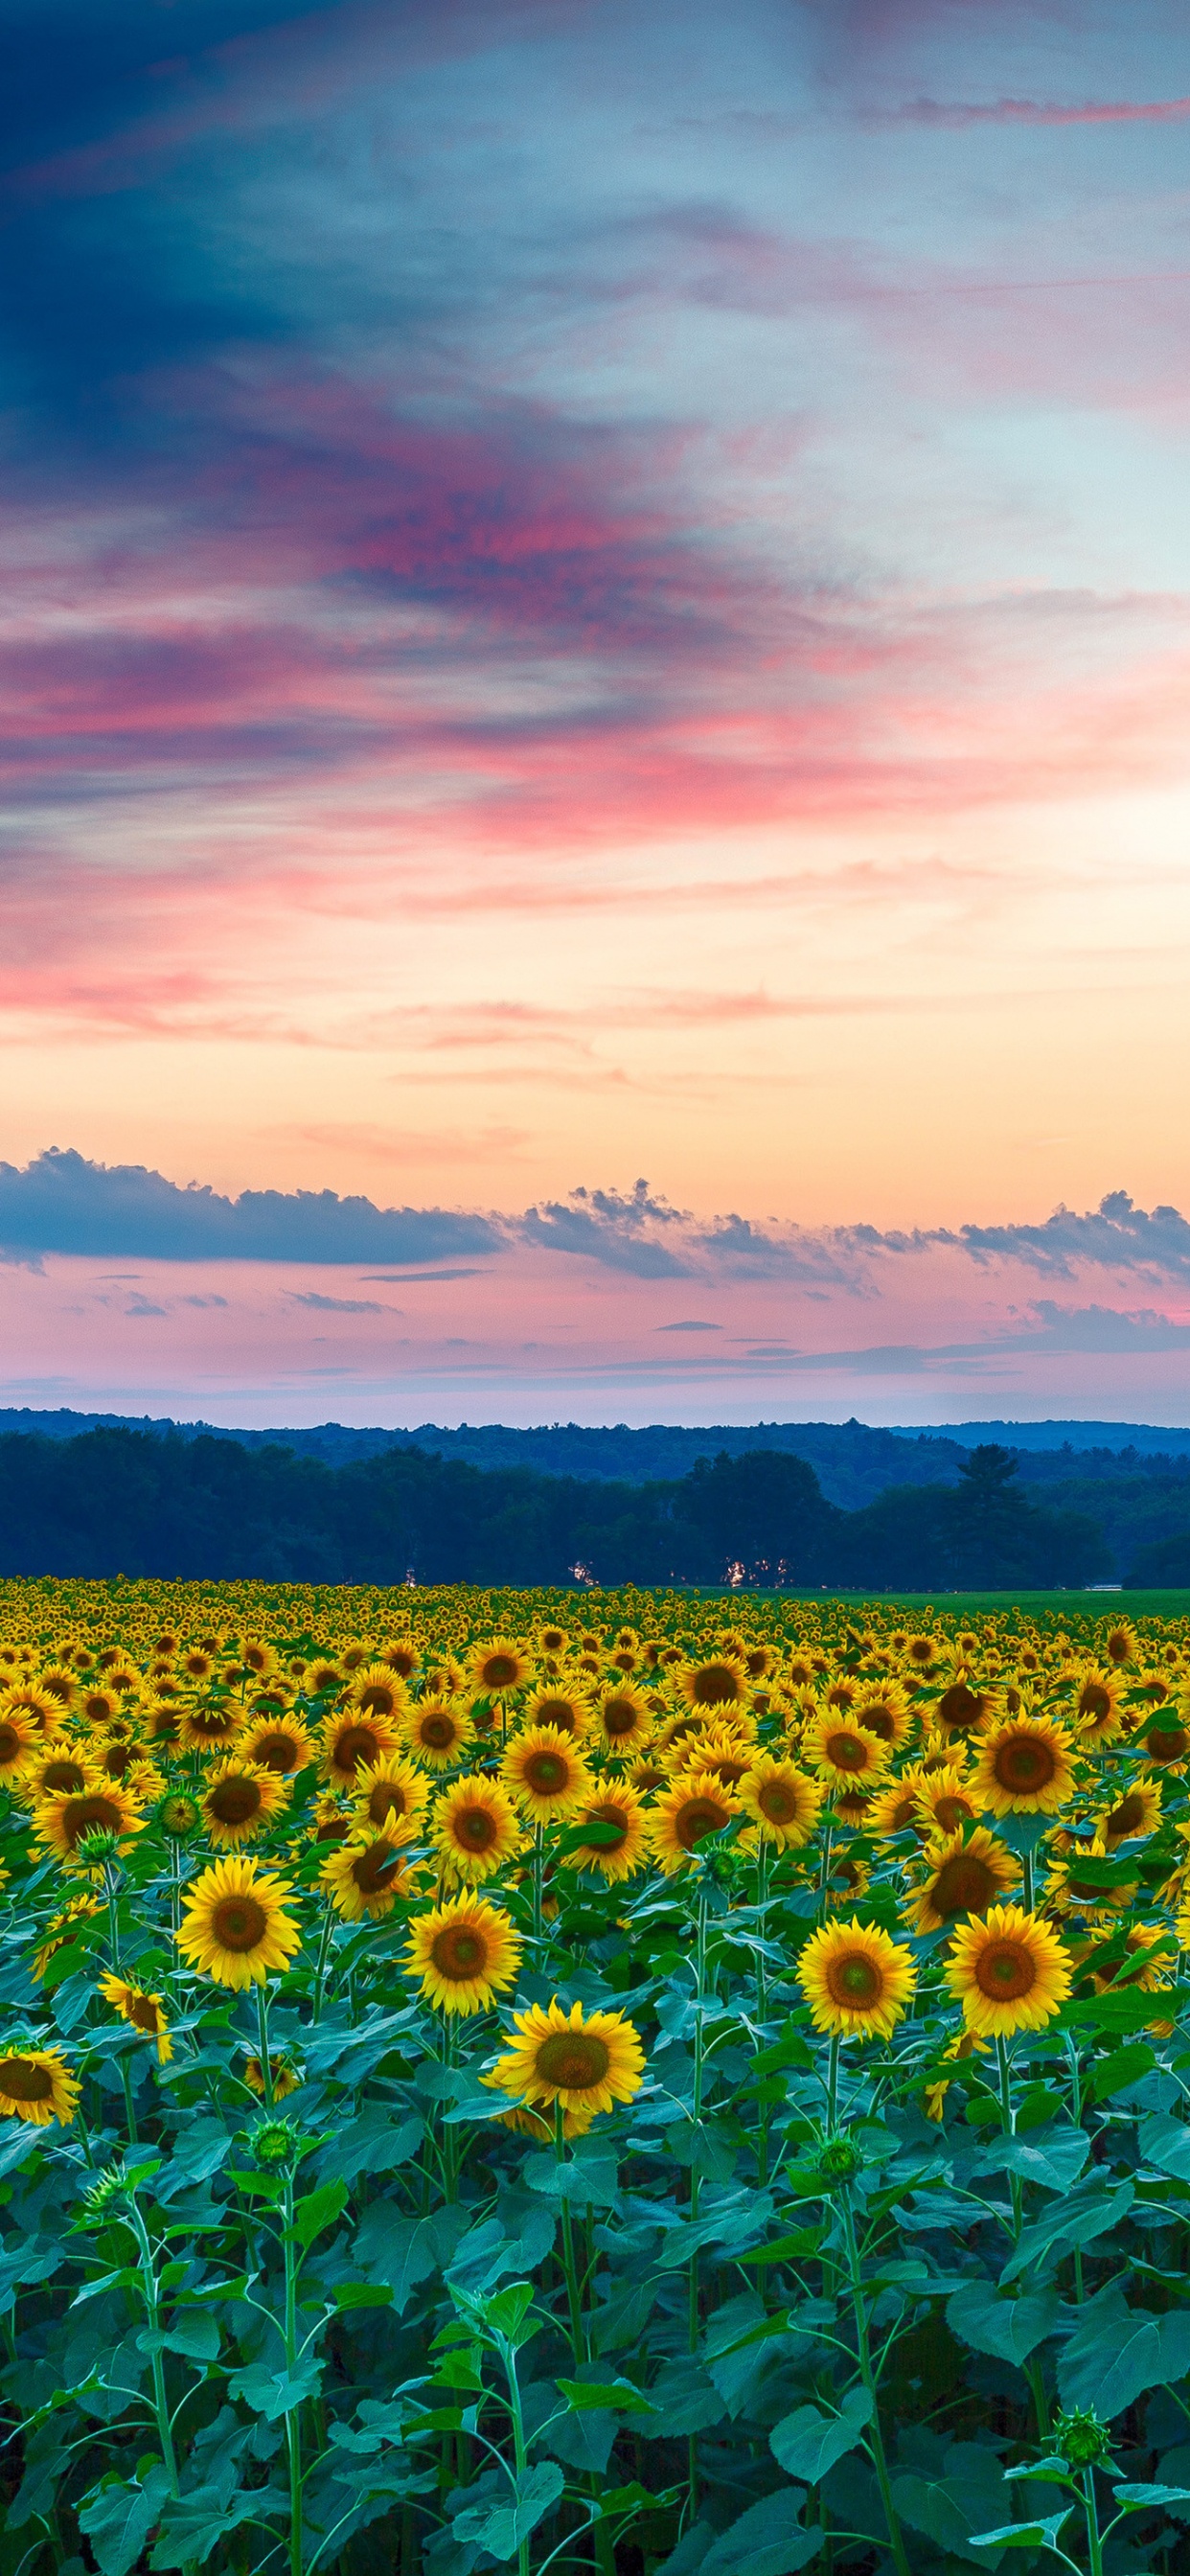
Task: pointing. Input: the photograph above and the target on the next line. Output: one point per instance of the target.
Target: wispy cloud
(1033, 111)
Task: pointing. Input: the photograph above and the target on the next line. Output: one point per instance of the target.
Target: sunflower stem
(320, 1966)
(538, 1874)
(1027, 1879)
(151, 2297)
(293, 2420)
(875, 2436)
(129, 2103)
(824, 1873)
(266, 2065)
(578, 2343)
(700, 1972)
(1091, 2508)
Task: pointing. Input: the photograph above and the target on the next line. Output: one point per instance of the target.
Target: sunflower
(332, 1821)
(783, 1802)
(721, 1682)
(352, 1742)
(279, 1743)
(1136, 1968)
(54, 1769)
(498, 1667)
(476, 1828)
(587, 2062)
(1097, 1712)
(856, 1980)
(964, 1878)
(37, 2085)
(438, 1732)
(387, 1791)
(213, 1726)
(850, 1878)
(625, 1720)
(241, 1800)
(844, 1754)
(923, 1654)
(399, 1655)
(552, 1640)
(964, 1705)
(284, 2077)
(378, 1692)
(1023, 1768)
(235, 1927)
(46, 1712)
(887, 1713)
(142, 2010)
(895, 1809)
(63, 1820)
(647, 1775)
(98, 1704)
(1009, 1971)
(945, 1800)
(198, 1663)
(61, 1928)
(1120, 1644)
(1136, 1814)
(58, 1683)
(463, 1954)
(1070, 1893)
(1166, 1739)
(367, 1873)
(697, 1805)
(19, 1737)
(617, 1810)
(321, 1677)
(546, 1773)
(552, 1705)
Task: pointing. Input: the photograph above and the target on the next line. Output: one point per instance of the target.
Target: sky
(589, 592)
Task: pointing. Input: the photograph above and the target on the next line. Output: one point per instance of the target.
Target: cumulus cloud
(620, 1231)
(1116, 1235)
(63, 1203)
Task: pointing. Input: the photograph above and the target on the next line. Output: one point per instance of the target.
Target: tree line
(117, 1501)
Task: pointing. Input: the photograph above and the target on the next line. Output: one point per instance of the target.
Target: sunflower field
(694, 2086)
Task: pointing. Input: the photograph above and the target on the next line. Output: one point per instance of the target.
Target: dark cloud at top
(1116, 1235)
(620, 1232)
(62, 1203)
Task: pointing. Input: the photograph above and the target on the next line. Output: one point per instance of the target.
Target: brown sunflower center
(144, 2013)
(713, 1684)
(234, 1802)
(1094, 1702)
(1165, 1743)
(854, 1981)
(376, 1868)
(239, 1923)
(438, 1732)
(1127, 1817)
(573, 2060)
(386, 1798)
(333, 1830)
(498, 1672)
(546, 1774)
(477, 1827)
(558, 1712)
(459, 1951)
(778, 1801)
(879, 1720)
(378, 1698)
(847, 1752)
(952, 1811)
(213, 1722)
(96, 1814)
(902, 1814)
(63, 1775)
(24, 2080)
(619, 1717)
(959, 1706)
(963, 1885)
(609, 1814)
(12, 1743)
(1005, 1971)
(276, 1752)
(1024, 1763)
(696, 1818)
(353, 1745)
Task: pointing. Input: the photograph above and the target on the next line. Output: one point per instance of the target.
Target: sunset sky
(593, 591)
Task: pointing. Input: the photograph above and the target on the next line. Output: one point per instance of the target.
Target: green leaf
(500, 2529)
(193, 2529)
(1165, 2142)
(798, 2247)
(1123, 2067)
(274, 2393)
(767, 2540)
(1142, 2499)
(118, 2518)
(506, 2312)
(1008, 2329)
(583, 2395)
(1112, 2357)
(363, 2294)
(1055, 2161)
(1088, 2213)
(319, 2210)
(195, 2334)
(1022, 2535)
(808, 2442)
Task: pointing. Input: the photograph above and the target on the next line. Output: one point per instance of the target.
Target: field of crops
(616, 2081)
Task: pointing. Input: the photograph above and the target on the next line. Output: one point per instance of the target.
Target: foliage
(761, 2251)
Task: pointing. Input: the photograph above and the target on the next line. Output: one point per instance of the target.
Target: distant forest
(121, 1501)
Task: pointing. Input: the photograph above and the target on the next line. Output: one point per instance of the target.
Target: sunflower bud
(276, 2142)
(178, 1815)
(98, 1848)
(1082, 2439)
(838, 2164)
(104, 2195)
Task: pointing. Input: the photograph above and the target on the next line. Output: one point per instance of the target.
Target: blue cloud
(63, 1203)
